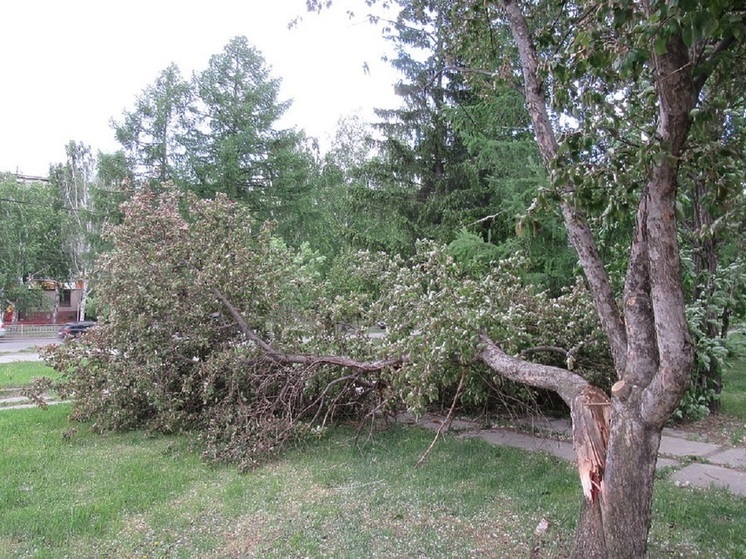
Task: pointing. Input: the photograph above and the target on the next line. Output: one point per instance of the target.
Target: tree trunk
(589, 537)
(706, 266)
(83, 301)
(56, 307)
(615, 514)
(629, 477)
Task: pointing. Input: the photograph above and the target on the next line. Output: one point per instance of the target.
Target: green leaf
(713, 24)
(661, 45)
(687, 36)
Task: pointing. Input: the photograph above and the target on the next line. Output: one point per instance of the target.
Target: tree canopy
(31, 242)
(615, 92)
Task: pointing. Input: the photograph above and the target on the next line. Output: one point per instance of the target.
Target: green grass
(13, 375)
(733, 397)
(76, 494)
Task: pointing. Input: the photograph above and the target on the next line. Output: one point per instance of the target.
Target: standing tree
(714, 221)
(422, 156)
(151, 133)
(32, 243)
(75, 181)
(652, 58)
(369, 209)
(232, 145)
(610, 88)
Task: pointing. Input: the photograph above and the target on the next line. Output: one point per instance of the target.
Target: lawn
(22, 372)
(733, 398)
(67, 492)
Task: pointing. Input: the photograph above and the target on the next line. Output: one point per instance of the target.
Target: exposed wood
(590, 408)
(591, 415)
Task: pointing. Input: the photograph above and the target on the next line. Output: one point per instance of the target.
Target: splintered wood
(591, 413)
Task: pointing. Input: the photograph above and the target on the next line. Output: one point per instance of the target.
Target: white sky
(67, 67)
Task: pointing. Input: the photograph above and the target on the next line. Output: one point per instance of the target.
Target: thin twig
(485, 218)
(447, 421)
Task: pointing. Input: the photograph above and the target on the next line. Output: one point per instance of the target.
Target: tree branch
(242, 324)
(447, 423)
(642, 356)
(565, 383)
(701, 78)
(338, 360)
(677, 97)
(575, 222)
(589, 408)
(304, 359)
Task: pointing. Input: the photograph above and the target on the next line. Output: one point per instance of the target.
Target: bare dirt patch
(716, 429)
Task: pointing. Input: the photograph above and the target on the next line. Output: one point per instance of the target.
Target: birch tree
(75, 181)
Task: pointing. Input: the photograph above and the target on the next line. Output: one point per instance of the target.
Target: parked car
(2, 329)
(74, 329)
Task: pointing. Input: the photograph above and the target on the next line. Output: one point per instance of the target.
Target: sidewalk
(15, 357)
(686, 462)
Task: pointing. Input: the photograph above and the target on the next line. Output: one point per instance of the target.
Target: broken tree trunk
(590, 411)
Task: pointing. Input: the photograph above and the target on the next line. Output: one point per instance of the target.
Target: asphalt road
(13, 345)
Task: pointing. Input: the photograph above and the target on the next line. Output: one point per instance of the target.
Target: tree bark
(577, 227)
(629, 477)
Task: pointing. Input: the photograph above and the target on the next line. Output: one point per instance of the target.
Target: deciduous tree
(625, 77)
(32, 242)
(75, 181)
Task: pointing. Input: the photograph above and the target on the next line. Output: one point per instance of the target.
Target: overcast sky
(69, 66)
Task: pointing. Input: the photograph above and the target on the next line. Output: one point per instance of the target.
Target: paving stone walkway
(686, 462)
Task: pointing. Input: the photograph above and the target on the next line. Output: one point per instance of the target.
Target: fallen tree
(211, 324)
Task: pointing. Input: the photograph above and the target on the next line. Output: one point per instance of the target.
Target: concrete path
(15, 357)
(687, 462)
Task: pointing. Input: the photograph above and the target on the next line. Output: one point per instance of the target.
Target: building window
(65, 298)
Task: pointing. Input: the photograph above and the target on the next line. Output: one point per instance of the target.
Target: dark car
(74, 329)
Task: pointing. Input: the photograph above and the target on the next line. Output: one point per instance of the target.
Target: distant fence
(32, 330)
